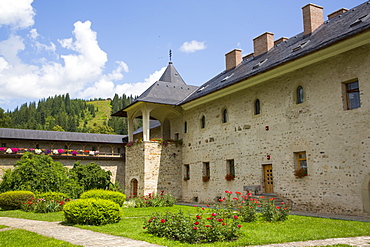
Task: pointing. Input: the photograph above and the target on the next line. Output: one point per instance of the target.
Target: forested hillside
(60, 113)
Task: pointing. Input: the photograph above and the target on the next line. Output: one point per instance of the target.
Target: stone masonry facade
(336, 140)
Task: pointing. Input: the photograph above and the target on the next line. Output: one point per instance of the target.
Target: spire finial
(170, 55)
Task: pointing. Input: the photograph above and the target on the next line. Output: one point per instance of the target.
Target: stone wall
(155, 167)
(336, 141)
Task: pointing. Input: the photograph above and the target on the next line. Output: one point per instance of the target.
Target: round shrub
(114, 196)
(92, 212)
(14, 199)
(56, 196)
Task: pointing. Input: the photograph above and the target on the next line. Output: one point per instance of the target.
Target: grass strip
(296, 228)
(18, 237)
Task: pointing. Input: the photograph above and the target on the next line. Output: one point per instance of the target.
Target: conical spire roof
(171, 75)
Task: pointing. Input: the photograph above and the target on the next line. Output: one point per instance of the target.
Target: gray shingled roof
(169, 90)
(23, 134)
(334, 30)
(171, 75)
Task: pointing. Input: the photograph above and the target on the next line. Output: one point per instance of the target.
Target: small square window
(225, 116)
(203, 122)
(206, 172)
(352, 95)
(185, 127)
(257, 107)
(230, 170)
(301, 164)
(186, 172)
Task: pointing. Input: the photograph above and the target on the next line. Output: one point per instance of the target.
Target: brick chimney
(336, 13)
(263, 43)
(281, 40)
(233, 58)
(313, 17)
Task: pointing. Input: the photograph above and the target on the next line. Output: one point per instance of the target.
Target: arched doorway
(134, 187)
(166, 129)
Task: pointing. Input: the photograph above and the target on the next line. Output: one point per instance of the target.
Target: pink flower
(195, 228)
(283, 203)
(236, 217)
(214, 214)
(239, 226)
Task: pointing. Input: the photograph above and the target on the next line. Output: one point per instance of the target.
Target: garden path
(89, 238)
(70, 234)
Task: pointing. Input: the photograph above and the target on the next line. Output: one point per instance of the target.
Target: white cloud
(192, 46)
(16, 13)
(105, 87)
(9, 48)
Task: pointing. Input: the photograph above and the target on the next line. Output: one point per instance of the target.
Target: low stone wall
(115, 165)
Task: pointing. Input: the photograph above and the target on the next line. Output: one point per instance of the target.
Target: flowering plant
(206, 178)
(205, 227)
(230, 177)
(153, 200)
(300, 173)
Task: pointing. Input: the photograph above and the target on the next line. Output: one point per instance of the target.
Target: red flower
(195, 228)
(207, 205)
(163, 220)
(203, 208)
(208, 226)
(220, 200)
(277, 207)
(209, 218)
(236, 217)
(237, 192)
(220, 220)
(283, 203)
(144, 227)
(214, 214)
(199, 217)
(223, 223)
(239, 226)
(196, 223)
(236, 199)
(226, 191)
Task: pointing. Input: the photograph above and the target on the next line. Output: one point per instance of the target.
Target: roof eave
(323, 53)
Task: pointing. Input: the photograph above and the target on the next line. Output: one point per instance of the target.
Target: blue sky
(96, 48)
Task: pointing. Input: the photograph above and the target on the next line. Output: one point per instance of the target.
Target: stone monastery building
(295, 106)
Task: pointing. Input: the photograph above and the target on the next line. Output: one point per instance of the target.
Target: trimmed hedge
(56, 196)
(113, 196)
(14, 199)
(92, 212)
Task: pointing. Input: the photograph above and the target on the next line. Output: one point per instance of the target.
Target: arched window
(225, 116)
(257, 107)
(185, 127)
(203, 122)
(300, 98)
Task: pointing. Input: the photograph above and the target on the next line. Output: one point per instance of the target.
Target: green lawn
(17, 237)
(297, 228)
